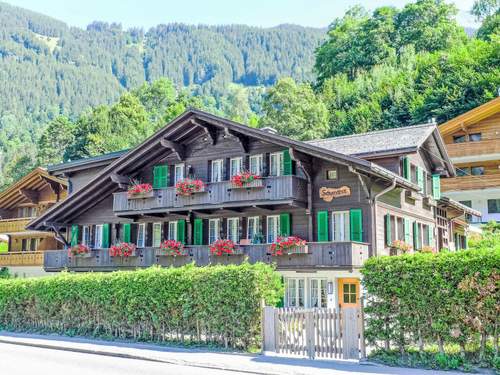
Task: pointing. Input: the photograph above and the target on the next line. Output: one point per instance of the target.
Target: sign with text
(327, 194)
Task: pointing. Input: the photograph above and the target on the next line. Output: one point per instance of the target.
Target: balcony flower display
(123, 249)
(172, 248)
(243, 179)
(188, 186)
(427, 249)
(399, 246)
(140, 190)
(288, 245)
(79, 250)
(223, 247)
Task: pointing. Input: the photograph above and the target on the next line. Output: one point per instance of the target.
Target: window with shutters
(156, 234)
(425, 235)
(98, 236)
(400, 228)
(217, 170)
(340, 226)
(141, 235)
(213, 230)
(322, 226)
(86, 235)
(256, 164)
(356, 223)
(178, 172)
(198, 231)
(236, 166)
(233, 229)
(253, 228)
(172, 230)
(273, 224)
(276, 164)
(160, 176)
(126, 232)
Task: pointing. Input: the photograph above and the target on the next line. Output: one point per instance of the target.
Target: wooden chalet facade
(473, 142)
(21, 202)
(346, 207)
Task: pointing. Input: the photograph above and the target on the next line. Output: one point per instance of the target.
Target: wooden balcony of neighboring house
(271, 190)
(461, 152)
(470, 183)
(21, 258)
(14, 225)
(326, 255)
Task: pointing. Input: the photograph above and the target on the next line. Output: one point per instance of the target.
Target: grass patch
(4, 247)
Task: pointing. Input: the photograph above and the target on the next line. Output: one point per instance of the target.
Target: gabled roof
(36, 180)
(471, 117)
(85, 163)
(185, 129)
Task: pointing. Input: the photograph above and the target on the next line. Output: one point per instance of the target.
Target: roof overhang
(445, 202)
(83, 164)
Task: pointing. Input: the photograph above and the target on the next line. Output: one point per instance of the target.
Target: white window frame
(98, 236)
(141, 242)
(172, 230)
(255, 220)
(341, 219)
(255, 164)
(178, 172)
(275, 234)
(156, 236)
(86, 235)
(278, 158)
(218, 165)
(238, 162)
(293, 297)
(233, 224)
(321, 292)
(216, 224)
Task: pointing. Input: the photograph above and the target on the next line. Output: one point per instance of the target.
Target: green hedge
(211, 305)
(433, 299)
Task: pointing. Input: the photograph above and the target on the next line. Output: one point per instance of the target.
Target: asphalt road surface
(25, 360)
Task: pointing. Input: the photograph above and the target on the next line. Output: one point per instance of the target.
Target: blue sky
(147, 13)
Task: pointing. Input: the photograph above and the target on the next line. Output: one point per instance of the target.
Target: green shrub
(212, 305)
(4, 273)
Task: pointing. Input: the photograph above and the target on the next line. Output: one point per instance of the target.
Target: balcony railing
(320, 254)
(22, 258)
(14, 225)
(280, 188)
(470, 182)
(468, 149)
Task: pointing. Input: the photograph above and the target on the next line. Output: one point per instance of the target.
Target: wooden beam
(178, 149)
(210, 131)
(31, 195)
(122, 181)
(243, 140)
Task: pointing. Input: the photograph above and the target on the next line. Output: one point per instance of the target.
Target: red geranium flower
(187, 186)
(283, 245)
(221, 247)
(123, 249)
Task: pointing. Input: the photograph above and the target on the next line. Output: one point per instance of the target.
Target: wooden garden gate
(314, 333)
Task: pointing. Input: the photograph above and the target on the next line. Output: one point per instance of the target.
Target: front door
(349, 292)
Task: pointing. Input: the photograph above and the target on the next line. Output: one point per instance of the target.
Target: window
(33, 243)
(156, 234)
(340, 226)
(141, 235)
(463, 171)
(172, 230)
(459, 138)
(466, 203)
(276, 162)
(331, 174)
(233, 229)
(178, 173)
(426, 234)
(317, 293)
(256, 164)
(253, 228)
(273, 224)
(349, 293)
(235, 165)
(494, 206)
(217, 170)
(24, 244)
(213, 230)
(400, 228)
(475, 137)
(477, 171)
(86, 235)
(98, 237)
(294, 292)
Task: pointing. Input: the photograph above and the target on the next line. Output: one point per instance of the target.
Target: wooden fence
(314, 333)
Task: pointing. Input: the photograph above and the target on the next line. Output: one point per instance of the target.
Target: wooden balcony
(22, 258)
(486, 147)
(470, 183)
(273, 189)
(14, 225)
(325, 255)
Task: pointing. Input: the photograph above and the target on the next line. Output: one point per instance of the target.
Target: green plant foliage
(433, 299)
(218, 305)
(4, 273)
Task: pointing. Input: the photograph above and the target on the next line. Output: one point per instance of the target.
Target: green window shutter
(420, 177)
(126, 232)
(74, 235)
(105, 236)
(287, 163)
(406, 168)
(198, 232)
(322, 226)
(285, 224)
(436, 186)
(181, 231)
(406, 224)
(160, 176)
(356, 221)
(388, 241)
(416, 236)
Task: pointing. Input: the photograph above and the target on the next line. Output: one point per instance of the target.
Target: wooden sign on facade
(327, 194)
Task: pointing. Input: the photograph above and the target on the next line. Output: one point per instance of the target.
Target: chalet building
(348, 197)
(473, 143)
(24, 200)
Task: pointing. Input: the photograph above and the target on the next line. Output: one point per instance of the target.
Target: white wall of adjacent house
(480, 200)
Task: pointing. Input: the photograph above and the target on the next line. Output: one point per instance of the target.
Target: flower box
(149, 194)
(246, 180)
(225, 247)
(245, 241)
(123, 249)
(188, 187)
(140, 191)
(288, 246)
(171, 248)
(399, 247)
(79, 251)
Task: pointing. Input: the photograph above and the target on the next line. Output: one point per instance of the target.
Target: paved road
(25, 360)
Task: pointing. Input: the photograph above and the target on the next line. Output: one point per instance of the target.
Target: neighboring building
(473, 143)
(24, 200)
(349, 197)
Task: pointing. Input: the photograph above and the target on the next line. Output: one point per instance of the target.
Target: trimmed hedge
(433, 299)
(218, 305)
